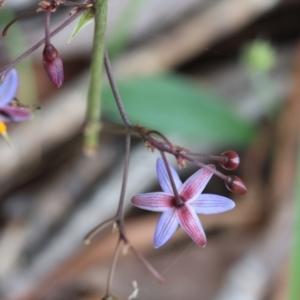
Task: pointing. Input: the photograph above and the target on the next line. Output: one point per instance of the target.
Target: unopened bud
(235, 185)
(53, 65)
(231, 160)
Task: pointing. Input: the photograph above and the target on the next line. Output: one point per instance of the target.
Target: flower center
(178, 202)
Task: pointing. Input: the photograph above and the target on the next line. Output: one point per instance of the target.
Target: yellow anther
(4, 134)
(2, 128)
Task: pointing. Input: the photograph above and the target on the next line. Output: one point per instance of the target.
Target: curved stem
(23, 15)
(179, 201)
(120, 213)
(142, 259)
(41, 42)
(164, 138)
(88, 238)
(115, 90)
(113, 267)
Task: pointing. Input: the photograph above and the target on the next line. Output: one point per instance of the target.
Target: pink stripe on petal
(194, 186)
(166, 226)
(9, 87)
(14, 114)
(190, 222)
(163, 176)
(158, 201)
(212, 204)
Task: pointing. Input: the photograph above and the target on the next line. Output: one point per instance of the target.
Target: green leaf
(86, 18)
(172, 105)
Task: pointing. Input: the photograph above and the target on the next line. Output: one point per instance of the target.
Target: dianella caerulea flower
(9, 113)
(192, 202)
(8, 90)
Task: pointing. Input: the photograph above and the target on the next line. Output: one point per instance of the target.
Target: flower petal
(194, 186)
(14, 114)
(163, 177)
(190, 222)
(212, 204)
(158, 201)
(9, 87)
(166, 226)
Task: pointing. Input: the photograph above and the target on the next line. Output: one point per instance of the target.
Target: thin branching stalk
(41, 42)
(120, 213)
(115, 91)
(202, 165)
(178, 200)
(88, 238)
(21, 16)
(143, 260)
(113, 267)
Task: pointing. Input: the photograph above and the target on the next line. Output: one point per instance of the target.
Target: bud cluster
(228, 160)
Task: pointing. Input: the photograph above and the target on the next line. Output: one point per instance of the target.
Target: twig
(41, 42)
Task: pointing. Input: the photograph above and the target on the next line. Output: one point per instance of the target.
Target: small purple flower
(185, 214)
(8, 90)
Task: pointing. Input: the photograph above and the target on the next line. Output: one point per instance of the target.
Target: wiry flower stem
(120, 212)
(21, 16)
(115, 91)
(202, 165)
(113, 267)
(146, 263)
(47, 27)
(88, 238)
(119, 218)
(41, 42)
(179, 201)
(171, 146)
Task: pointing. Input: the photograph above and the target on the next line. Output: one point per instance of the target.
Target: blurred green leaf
(15, 44)
(86, 18)
(171, 104)
(259, 55)
(120, 34)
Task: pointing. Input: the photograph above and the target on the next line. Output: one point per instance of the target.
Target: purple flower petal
(190, 222)
(194, 186)
(211, 204)
(158, 201)
(14, 114)
(163, 177)
(9, 87)
(166, 226)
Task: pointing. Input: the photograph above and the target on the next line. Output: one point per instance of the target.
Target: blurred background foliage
(211, 75)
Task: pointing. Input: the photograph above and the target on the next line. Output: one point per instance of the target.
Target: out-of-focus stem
(294, 288)
(91, 134)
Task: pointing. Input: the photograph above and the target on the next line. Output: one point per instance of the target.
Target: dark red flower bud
(230, 160)
(53, 65)
(235, 185)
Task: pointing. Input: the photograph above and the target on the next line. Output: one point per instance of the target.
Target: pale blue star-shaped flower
(185, 215)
